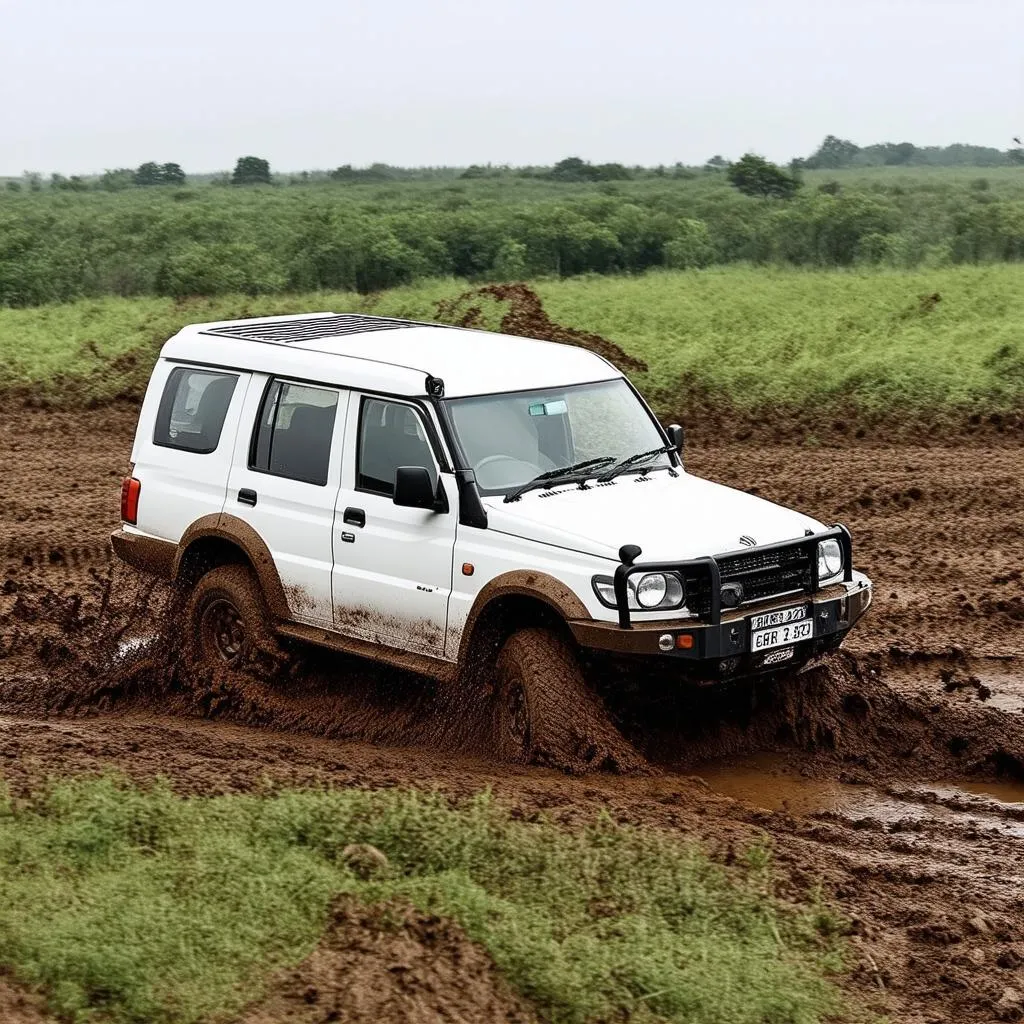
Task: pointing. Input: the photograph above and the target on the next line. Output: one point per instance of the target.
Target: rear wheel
(228, 626)
(545, 713)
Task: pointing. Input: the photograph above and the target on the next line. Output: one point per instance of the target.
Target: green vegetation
(361, 232)
(876, 341)
(140, 906)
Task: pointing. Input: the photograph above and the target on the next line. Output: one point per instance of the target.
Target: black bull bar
(709, 567)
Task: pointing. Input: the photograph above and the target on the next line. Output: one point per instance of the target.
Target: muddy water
(766, 782)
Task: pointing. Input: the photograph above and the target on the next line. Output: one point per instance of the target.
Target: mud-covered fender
(539, 586)
(238, 532)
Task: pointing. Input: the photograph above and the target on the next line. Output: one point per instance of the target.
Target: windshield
(510, 439)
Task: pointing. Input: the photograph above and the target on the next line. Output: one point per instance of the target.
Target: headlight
(830, 560)
(651, 592)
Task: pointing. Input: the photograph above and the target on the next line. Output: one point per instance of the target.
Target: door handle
(246, 496)
(354, 517)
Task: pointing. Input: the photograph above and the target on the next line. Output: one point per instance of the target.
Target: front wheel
(545, 713)
(227, 625)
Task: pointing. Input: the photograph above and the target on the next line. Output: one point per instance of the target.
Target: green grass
(750, 337)
(139, 906)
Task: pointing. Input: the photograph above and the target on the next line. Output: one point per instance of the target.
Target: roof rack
(331, 325)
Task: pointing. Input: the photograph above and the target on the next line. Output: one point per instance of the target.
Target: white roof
(381, 354)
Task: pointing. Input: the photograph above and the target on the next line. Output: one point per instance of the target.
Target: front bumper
(724, 648)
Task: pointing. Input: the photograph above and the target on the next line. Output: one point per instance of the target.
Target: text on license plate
(779, 636)
(778, 618)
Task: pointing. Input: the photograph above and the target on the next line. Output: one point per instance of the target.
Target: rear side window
(193, 408)
(294, 431)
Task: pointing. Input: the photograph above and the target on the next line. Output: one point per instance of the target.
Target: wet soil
(391, 965)
(889, 775)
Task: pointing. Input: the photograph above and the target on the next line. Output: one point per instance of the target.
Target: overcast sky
(92, 84)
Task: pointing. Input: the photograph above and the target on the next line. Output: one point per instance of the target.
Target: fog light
(665, 642)
(685, 641)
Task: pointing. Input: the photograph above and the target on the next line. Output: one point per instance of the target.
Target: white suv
(440, 499)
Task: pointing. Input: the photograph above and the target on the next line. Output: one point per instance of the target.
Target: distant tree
(572, 168)
(172, 174)
(350, 174)
(34, 180)
(754, 176)
(474, 171)
(716, 163)
(833, 153)
(13, 185)
(900, 153)
(1016, 156)
(151, 173)
(608, 172)
(117, 179)
(76, 183)
(251, 170)
(691, 247)
(148, 174)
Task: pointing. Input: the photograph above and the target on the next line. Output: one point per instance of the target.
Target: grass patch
(753, 338)
(140, 906)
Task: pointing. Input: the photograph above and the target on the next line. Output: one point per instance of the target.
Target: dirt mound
(18, 1006)
(525, 317)
(391, 964)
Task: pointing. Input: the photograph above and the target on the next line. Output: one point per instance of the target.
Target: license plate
(780, 636)
(778, 618)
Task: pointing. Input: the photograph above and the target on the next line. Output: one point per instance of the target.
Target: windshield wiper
(633, 460)
(566, 472)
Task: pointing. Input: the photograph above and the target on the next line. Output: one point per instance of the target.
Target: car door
(392, 565)
(284, 483)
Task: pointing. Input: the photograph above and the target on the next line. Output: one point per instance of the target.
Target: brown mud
(393, 965)
(888, 775)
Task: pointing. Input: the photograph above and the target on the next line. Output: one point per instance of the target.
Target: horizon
(227, 169)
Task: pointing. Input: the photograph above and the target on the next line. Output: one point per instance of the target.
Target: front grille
(764, 575)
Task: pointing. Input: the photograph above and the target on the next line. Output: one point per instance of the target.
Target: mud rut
(909, 731)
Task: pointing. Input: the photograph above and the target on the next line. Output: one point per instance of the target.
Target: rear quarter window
(193, 408)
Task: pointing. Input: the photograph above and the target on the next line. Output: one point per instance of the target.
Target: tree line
(181, 242)
(834, 153)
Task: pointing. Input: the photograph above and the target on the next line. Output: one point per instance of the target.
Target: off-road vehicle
(442, 499)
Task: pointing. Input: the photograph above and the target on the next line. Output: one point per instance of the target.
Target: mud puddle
(767, 782)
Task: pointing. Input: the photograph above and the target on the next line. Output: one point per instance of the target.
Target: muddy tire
(544, 712)
(227, 626)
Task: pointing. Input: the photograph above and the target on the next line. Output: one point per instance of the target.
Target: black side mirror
(413, 489)
(676, 436)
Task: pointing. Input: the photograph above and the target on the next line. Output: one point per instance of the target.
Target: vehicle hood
(670, 518)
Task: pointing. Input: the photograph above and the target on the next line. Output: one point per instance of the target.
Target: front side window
(512, 438)
(294, 432)
(390, 435)
(193, 408)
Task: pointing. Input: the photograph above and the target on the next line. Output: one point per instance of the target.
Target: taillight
(130, 488)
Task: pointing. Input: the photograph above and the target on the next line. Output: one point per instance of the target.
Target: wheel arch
(517, 600)
(221, 539)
